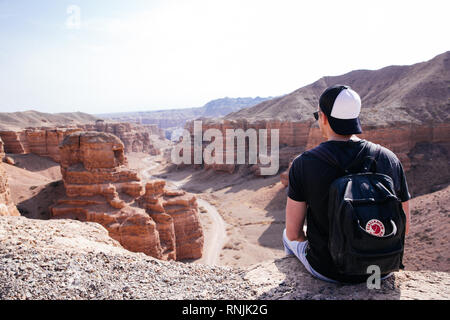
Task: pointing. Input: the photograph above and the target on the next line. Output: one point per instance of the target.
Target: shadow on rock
(271, 237)
(37, 207)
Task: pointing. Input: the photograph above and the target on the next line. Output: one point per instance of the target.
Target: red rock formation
(176, 212)
(401, 139)
(101, 188)
(41, 141)
(45, 141)
(136, 138)
(7, 206)
(296, 137)
(2, 150)
(15, 142)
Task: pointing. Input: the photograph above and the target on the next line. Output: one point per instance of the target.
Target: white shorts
(298, 249)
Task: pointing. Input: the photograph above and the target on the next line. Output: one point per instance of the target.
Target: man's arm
(405, 206)
(295, 219)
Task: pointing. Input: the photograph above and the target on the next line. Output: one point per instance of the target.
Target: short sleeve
(403, 192)
(295, 187)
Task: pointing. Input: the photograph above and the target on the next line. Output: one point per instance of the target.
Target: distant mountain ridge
(177, 117)
(415, 93)
(32, 118)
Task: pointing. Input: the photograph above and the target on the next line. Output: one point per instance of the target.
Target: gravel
(36, 264)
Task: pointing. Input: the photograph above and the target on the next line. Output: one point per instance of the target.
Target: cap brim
(345, 126)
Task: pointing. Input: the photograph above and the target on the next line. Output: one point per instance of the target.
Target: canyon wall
(45, 141)
(101, 188)
(412, 143)
(422, 149)
(136, 138)
(7, 206)
(293, 136)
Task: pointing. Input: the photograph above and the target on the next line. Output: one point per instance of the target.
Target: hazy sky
(115, 55)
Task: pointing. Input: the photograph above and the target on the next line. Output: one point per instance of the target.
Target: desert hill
(418, 93)
(32, 118)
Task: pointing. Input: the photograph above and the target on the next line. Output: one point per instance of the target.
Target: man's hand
(295, 219)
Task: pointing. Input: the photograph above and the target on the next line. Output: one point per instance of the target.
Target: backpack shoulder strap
(326, 155)
(366, 158)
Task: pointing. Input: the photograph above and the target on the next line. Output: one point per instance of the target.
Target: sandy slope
(428, 245)
(35, 182)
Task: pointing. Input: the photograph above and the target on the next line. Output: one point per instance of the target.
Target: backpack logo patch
(375, 227)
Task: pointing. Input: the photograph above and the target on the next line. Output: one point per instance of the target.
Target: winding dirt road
(217, 241)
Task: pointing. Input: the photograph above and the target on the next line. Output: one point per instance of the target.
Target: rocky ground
(67, 259)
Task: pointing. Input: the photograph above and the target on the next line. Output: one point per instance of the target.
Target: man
(310, 179)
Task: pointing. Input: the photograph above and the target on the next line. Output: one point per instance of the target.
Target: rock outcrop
(40, 141)
(287, 279)
(101, 188)
(7, 206)
(136, 138)
(66, 259)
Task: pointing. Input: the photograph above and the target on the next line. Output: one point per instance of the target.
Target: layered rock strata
(101, 188)
(45, 141)
(136, 138)
(7, 206)
(300, 136)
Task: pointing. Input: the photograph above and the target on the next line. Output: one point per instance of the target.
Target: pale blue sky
(147, 55)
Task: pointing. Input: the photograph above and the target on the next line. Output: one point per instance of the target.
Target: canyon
(130, 216)
(100, 188)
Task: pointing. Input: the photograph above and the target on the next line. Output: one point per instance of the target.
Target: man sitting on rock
(310, 178)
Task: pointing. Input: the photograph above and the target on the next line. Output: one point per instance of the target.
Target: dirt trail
(217, 241)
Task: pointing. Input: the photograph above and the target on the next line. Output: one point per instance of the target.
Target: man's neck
(343, 138)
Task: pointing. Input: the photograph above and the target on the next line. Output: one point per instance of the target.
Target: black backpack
(366, 219)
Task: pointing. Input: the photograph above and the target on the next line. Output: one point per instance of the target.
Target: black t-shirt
(310, 179)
